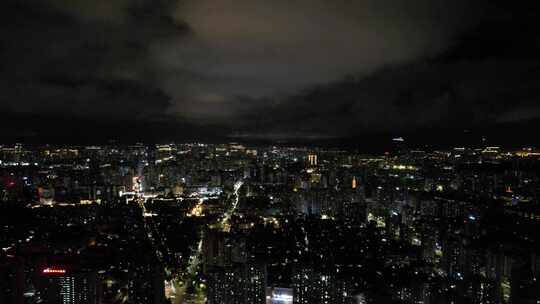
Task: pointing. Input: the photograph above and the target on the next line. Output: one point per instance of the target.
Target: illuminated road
(180, 296)
(152, 231)
(151, 227)
(176, 289)
(227, 216)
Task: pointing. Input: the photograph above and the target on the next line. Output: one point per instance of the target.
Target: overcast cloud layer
(277, 69)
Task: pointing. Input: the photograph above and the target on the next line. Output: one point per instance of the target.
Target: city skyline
(229, 223)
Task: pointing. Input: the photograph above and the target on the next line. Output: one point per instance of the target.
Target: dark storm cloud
(486, 75)
(303, 68)
(270, 49)
(407, 97)
(63, 57)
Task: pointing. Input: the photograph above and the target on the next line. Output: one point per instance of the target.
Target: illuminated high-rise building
(311, 286)
(399, 146)
(233, 276)
(238, 283)
(62, 285)
(312, 159)
(146, 283)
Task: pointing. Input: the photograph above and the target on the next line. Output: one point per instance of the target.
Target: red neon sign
(54, 270)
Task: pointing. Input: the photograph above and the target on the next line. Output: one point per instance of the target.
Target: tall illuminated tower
(312, 159)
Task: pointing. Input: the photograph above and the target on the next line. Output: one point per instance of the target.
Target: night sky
(309, 70)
